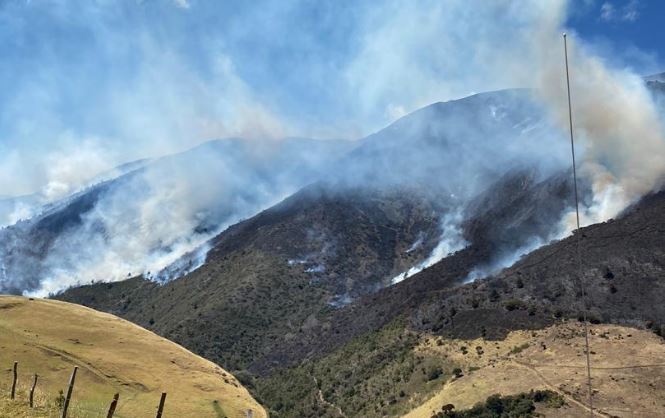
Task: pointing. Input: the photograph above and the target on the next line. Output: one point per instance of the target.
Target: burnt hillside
(269, 278)
(313, 271)
(623, 266)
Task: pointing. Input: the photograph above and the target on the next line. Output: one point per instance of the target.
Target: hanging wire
(578, 235)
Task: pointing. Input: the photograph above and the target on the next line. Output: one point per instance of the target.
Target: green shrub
(514, 304)
(519, 348)
(434, 373)
(497, 406)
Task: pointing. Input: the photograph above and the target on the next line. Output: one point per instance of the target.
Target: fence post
(69, 393)
(32, 391)
(13, 394)
(114, 404)
(160, 410)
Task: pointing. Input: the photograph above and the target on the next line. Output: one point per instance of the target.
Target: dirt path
(627, 371)
(550, 386)
(639, 366)
(325, 402)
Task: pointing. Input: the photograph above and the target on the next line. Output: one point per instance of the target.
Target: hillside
(50, 338)
(297, 300)
(332, 209)
(90, 235)
(394, 373)
(627, 370)
(278, 278)
(268, 277)
(623, 268)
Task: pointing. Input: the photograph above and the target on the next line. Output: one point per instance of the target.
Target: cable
(579, 255)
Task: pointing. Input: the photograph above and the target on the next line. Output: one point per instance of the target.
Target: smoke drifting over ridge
(619, 131)
(144, 221)
(471, 46)
(616, 122)
(620, 135)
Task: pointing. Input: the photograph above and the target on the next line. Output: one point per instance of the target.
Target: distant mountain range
(656, 77)
(155, 212)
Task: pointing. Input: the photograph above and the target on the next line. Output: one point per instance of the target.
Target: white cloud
(183, 4)
(631, 12)
(628, 13)
(607, 12)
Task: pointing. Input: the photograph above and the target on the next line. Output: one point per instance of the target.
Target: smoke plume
(149, 79)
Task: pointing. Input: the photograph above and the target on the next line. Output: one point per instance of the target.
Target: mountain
(248, 302)
(17, 208)
(381, 331)
(113, 356)
(92, 235)
(369, 349)
(148, 218)
(308, 300)
(656, 77)
(270, 284)
(336, 241)
(14, 208)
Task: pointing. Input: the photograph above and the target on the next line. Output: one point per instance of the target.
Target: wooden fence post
(32, 391)
(160, 410)
(114, 404)
(69, 393)
(13, 394)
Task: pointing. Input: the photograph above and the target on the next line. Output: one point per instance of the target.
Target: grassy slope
(50, 337)
(375, 375)
(42, 409)
(627, 370)
(393, 372)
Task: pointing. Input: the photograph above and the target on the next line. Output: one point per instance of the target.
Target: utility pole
(578, 234)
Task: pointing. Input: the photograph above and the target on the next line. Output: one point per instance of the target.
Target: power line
(578, 234)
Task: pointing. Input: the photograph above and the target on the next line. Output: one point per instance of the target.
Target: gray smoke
(620, 134)
(401, 56)
(157, 219)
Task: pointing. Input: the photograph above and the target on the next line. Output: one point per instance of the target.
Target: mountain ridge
(269, 304)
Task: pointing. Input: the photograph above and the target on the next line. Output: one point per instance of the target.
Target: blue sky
(631, 30)
(87, 84)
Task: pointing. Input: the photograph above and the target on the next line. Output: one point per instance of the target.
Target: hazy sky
(86, 85)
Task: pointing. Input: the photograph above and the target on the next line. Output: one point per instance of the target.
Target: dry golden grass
(628, 370)
(114, 356)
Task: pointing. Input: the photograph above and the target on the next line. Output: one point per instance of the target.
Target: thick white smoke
(396, 58)
(619, 133)
(145, 222)
(451, 240)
